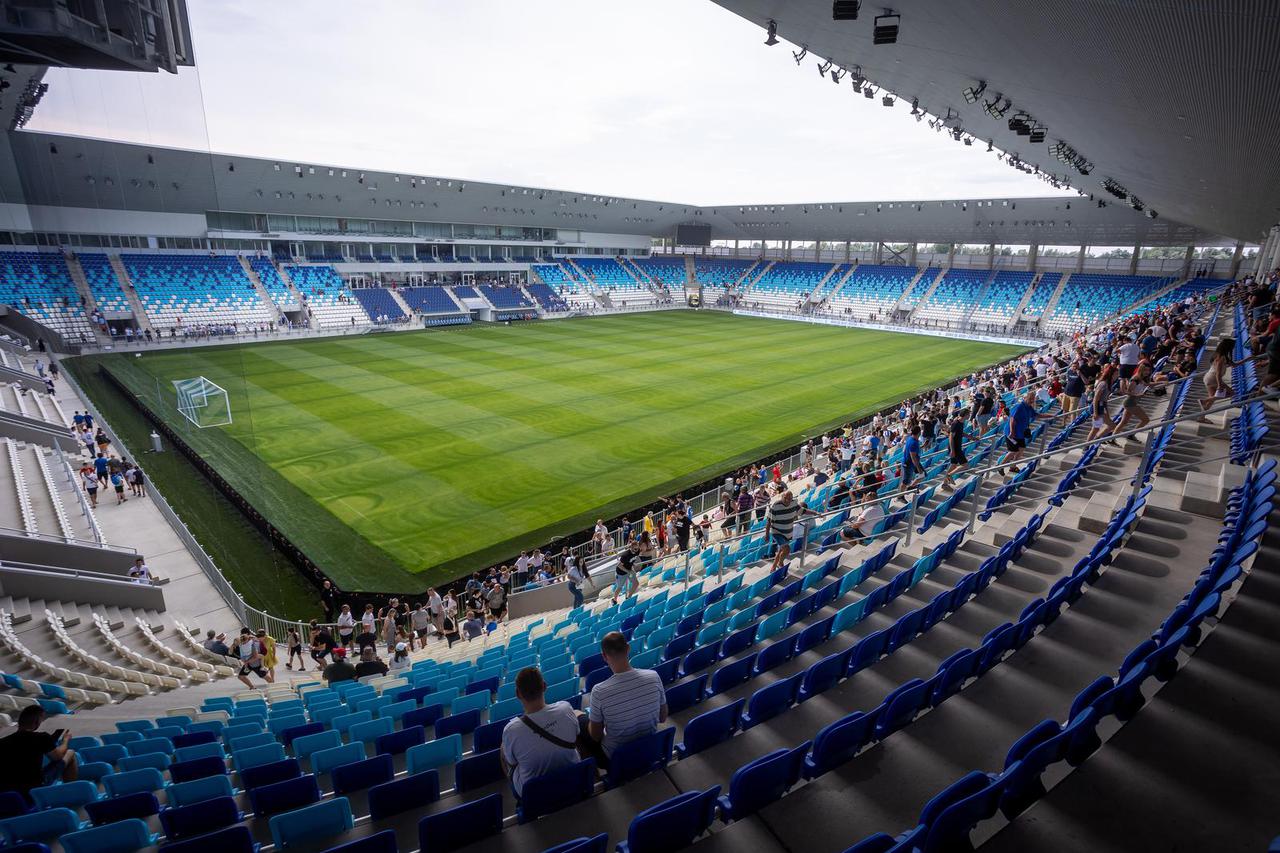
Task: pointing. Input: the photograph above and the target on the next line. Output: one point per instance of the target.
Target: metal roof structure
(1176, 102)
(59, 171)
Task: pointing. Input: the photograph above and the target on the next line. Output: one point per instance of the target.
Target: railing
(85, 509)
(64, 540)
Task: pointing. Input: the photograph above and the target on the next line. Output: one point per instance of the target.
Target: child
(294, 641)
(118, 482)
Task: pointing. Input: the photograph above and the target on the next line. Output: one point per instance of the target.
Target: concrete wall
(66, 555)
(82, 589)
(33, 432)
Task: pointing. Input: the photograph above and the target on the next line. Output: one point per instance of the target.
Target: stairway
(1053, 300)
(977, 300)
(284, 276)
(261, 288)
(86, 294)
(753, 275)
(126, 285)
(1022, 303)
(689, 269)
(399, 300)
(924, 300)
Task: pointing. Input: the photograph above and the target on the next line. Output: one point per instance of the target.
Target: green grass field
(399, 460)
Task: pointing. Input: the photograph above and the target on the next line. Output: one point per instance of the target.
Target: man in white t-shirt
(1129, 353)
(627, 705)
(865, 522)
(541, 739)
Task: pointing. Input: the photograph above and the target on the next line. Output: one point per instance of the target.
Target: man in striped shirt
(627, 705)
(781, 524)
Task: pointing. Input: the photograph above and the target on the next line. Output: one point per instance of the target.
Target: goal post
(204, 403)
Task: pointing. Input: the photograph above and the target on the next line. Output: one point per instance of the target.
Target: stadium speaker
(886, 29)
(845, 10)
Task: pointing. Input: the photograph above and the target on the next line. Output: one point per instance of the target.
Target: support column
(817, 251)
(847, 251)
(951, 255)
(735, 248)
(879, 254)
(1262, 253)
(1080, 259)
(1275, 253)
(1133, 260)
(912, 253)
(1033, 254)
(991, 256)
(1187, 257)
(1235, 262)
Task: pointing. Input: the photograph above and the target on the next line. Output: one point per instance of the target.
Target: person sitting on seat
(24, 752)
(369, 663)
(627, 705)
(543, 738)
(340, 669)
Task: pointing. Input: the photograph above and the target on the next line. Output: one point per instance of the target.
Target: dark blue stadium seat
(140, 805)
(284, 796)
(11, 804)
(461, 724)
(476, 771)
(950, 815)
(359, 775)
(289, 735)
(559, 789)
(199, 818)
(400, 795)
(824, 674)
(868, 650)
(686, 694)
(233, 839)
(738, 642)
(122, 836)
(308, 825)
(399, 741)
(673, 824)
(838, 742)
(424, 716)
(814, 635)
(707, 730)
(379, 842)
(699, 659)
(668, 670)
(680, 646)
(770, 701)
(269, 774)
(758, 783)
(594, 844)
(776, 653)
(731, 674)
(461, 825)
(902, 705)
(643, 755)
(194, 739)
(488, 736)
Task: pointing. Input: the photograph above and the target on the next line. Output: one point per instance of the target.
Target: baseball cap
(402, 647)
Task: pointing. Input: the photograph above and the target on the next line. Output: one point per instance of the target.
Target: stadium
(879, 466)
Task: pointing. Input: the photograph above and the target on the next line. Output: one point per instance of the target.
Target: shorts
(1127, 370)
(1013, 445)
(52, 771)
(245, 669)
(782, 540)
(1099, 422)
(959, 458)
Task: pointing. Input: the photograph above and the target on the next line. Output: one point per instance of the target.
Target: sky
(675, 100)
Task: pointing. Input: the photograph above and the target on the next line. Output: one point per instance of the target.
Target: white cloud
(668, 99)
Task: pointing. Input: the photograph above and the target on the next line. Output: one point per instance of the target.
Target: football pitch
(399, 460)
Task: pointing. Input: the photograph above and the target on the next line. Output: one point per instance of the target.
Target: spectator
(473, 627)
(574, 579)
(217, 644)
(865, 522)
(329, 598)
(346, 626)
(625, 571)
(269, 659)
(420, 621)
(251, 654)
(400, 659)
(496, 600)
(628, 704)
(449, 629)
(543, 738)
(90, 481)
(339, 670)
(322, 644)
(140, 573)
(369, 663)
(435, 606)
(781, 522)
(32, 758)
(294, 641)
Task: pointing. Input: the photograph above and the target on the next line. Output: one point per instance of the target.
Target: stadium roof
(78, 172)
(1177, 102)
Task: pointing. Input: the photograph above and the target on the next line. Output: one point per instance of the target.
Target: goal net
(202, 402)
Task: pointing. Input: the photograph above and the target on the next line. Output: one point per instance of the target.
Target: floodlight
(845, 10)
(886, 28)
(887, 100)
(772, 38)
(971, 94)
(799, 56)
(869, 93)
(823, 68)
(1037, 133)
(968, 140)
(990, 145)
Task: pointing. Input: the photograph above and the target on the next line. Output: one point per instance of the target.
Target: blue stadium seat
(673, 824)
(771, 700)
(132, 781)
(638, 757)
(433, 754)
(476, 771)
(359, 775)
(182, 822)
(141, 805)
(706, 730)
(401, 795)
(759, 783)
(460, 826)
(837, 742)
(123, 836)
(325, 760)
(594, 844)
(269, 774)
(72, 795)
(198, 790)
(556, 790)
(233, 839)
(308, 825)
(284, 796)
(379, 842)
(198, 768)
